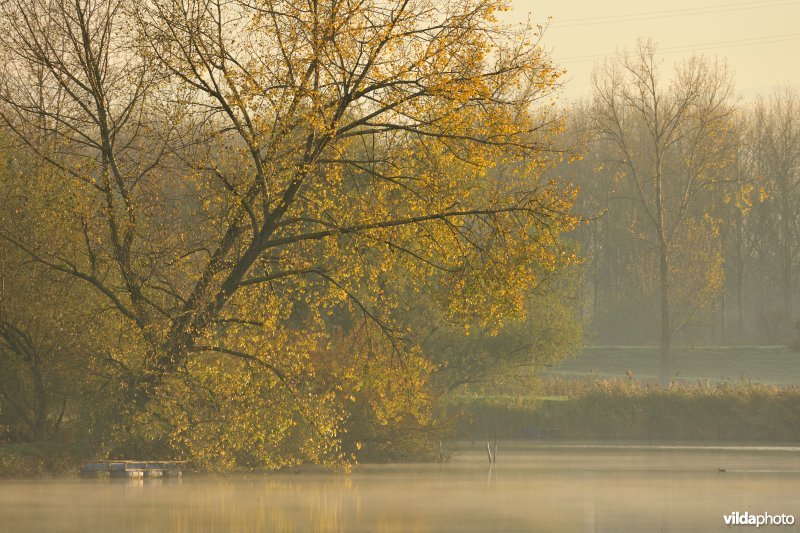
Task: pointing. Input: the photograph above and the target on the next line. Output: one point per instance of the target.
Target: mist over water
(532, 488)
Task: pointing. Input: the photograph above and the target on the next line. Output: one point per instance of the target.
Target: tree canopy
(248, 187)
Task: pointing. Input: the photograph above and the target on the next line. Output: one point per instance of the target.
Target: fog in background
(716, 198)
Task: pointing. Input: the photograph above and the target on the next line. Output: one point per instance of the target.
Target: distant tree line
(694, 206)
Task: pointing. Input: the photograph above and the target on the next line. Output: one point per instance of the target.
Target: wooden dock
(130, 469)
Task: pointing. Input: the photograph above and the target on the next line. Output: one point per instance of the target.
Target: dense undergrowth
(35, 460)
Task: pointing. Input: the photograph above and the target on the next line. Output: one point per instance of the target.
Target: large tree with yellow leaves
(244, 173)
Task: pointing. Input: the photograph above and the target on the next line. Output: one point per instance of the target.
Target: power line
(697, 47)
(670, 13)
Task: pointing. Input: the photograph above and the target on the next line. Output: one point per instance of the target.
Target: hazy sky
(760, 39)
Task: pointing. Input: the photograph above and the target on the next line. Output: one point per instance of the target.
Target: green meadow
(775, 365)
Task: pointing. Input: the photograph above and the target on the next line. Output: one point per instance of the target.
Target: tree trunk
(664, 318)
(723, 299)
(665, 336)
(787, 252)
(40, 403)
(596, 268)
(739, 281)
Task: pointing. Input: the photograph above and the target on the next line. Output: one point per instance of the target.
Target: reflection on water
(532, 488)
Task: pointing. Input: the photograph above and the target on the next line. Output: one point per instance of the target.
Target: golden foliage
(240, 175)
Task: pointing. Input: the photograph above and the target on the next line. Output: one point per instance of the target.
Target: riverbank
(629, 410)
(572, 409)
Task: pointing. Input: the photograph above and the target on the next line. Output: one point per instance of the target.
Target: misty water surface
(532, 488)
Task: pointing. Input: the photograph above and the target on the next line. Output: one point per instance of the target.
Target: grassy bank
(35, 460)
(626, 409)
(776, 365)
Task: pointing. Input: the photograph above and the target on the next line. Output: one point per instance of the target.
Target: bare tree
(669, 140)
